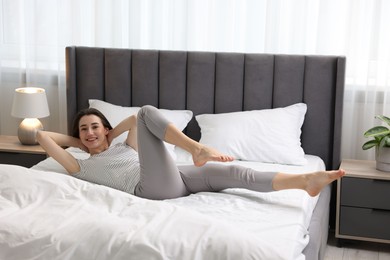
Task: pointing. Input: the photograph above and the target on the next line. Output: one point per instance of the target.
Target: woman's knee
(146, 109)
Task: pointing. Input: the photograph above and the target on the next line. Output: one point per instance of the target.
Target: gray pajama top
(117, 167)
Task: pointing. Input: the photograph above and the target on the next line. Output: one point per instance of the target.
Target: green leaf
(377, 131)
(384, 119)
(370, 144)
(383, 141)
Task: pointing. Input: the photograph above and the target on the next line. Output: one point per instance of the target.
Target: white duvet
(47, 215)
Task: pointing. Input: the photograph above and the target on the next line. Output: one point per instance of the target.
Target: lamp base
(27, 131)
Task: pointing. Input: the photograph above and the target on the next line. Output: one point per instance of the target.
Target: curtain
(34, 34)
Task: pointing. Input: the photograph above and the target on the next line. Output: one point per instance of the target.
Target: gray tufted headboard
(208, 82)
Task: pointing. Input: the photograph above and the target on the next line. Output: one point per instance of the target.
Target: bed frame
(209, 82)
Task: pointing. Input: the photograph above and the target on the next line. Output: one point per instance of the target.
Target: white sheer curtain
(34, 34)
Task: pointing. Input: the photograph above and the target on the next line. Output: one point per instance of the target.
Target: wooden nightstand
(13, 152)
(363, 203)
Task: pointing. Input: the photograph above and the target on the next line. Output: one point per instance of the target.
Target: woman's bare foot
(318, 180)
(205, 154)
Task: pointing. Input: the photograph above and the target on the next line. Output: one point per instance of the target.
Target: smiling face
(93, 134)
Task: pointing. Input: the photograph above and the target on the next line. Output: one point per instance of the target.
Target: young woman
(142, 166)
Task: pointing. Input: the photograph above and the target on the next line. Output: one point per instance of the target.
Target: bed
(48, 215)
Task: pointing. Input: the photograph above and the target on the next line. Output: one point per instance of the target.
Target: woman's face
(93, 134)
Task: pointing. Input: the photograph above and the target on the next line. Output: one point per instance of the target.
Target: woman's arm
(52, 143)
(128, 124)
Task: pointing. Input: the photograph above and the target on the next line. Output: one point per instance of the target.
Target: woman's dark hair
(86, 112)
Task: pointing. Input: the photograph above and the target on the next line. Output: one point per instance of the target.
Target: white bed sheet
(45, 215)
(281, 217)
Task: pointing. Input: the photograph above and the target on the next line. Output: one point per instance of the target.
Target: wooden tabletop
(363, 169)
(11, 144)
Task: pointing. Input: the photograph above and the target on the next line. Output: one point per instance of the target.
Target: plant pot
(382, 156)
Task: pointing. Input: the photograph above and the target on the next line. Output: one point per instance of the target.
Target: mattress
(46, 215)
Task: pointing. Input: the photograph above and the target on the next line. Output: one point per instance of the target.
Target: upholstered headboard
(209, 82)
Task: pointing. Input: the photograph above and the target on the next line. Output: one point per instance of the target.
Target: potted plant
(381, 142)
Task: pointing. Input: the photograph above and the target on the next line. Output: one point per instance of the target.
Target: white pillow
(269, 135)
(115, 114)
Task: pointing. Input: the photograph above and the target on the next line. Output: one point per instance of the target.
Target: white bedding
(46, 215)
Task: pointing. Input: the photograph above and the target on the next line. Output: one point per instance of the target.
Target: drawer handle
(380, 210)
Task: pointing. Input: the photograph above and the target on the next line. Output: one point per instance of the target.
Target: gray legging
(161, 178)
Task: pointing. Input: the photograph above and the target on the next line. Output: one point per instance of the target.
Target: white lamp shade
(30, 103)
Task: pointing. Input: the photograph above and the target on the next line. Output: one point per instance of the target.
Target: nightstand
(363, 203)
(13, 152)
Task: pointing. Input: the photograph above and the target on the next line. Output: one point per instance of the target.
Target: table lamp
(30, 104)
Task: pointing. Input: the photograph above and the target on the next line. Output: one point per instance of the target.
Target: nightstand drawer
(365, 193)
(22, 159)
(362, 222)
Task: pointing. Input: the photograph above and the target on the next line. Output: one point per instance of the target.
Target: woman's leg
(312, 183)
(216, 177)
(200, 153)
(159, 176)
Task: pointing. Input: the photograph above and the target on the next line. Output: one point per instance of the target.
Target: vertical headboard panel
(90, 76)
(259, 81)
(145, 78)
(200, 87)
(320, 79)
(229, 82)
(173, 80)
(208, 82)
(288, 80)
(117, 73)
